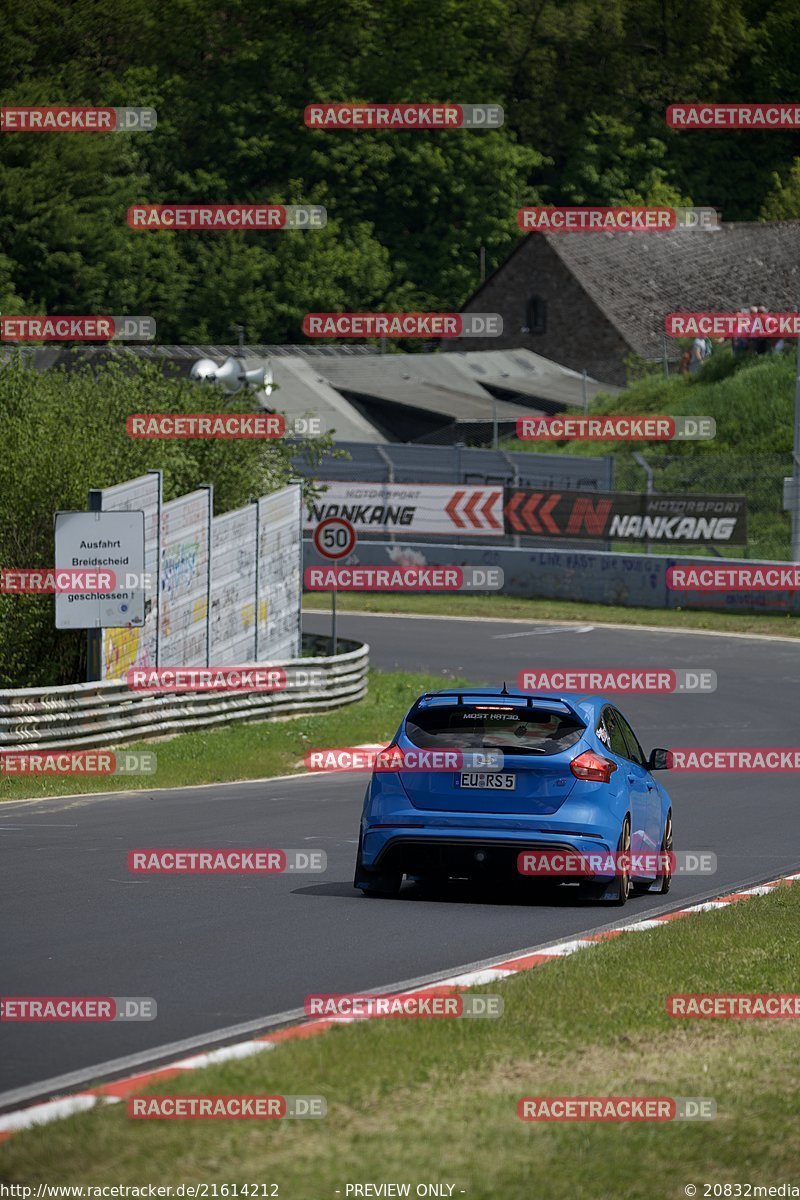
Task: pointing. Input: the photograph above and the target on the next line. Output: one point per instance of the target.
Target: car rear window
(513, 729)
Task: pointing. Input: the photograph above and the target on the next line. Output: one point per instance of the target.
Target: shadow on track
(485, 892)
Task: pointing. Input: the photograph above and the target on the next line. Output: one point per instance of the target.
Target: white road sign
(112, 542)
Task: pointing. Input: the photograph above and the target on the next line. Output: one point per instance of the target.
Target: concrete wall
(598, 577)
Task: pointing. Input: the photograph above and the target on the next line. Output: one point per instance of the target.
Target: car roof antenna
(505, 691)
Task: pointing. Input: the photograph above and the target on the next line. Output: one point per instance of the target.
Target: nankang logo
(367, 514)
(673, 529)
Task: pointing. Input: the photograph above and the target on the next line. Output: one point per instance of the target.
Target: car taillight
(592, 766)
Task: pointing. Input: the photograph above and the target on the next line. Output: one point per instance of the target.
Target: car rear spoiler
(459, 696)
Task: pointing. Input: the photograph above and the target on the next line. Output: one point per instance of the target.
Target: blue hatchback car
(574, 778)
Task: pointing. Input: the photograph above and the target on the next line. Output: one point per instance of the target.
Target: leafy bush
(64, 433)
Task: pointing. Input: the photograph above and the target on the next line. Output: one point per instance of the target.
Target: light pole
(648, 470)
(794, 483)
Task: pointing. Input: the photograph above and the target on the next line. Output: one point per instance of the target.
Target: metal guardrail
(110, 714)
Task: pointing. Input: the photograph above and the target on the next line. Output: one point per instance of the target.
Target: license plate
(486, 779)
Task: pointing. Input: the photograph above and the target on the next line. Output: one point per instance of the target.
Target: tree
(783, 201)
(63, 433)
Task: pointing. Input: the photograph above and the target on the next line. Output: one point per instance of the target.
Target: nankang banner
(408, 508)
(626, 516)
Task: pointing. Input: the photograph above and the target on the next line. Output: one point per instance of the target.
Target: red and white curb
(114, 1093)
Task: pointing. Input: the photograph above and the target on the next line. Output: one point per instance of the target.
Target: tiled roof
(637, 278)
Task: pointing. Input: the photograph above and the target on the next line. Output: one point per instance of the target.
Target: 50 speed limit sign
(334, 538)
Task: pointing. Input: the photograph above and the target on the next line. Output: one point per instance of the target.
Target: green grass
(248, 750)
(426, 1101)
(521, 608)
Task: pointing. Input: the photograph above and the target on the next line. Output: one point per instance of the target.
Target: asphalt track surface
(219, 951)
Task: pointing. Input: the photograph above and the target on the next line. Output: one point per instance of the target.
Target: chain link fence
(757, 477)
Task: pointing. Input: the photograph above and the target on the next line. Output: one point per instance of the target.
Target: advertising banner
(233, 587)
(626, 516)
(280, 572)
(409, 508)
(137, 646)
(220, 590)
(183, 608)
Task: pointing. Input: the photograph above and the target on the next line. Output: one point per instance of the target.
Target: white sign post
(101, 541)
(334, 538)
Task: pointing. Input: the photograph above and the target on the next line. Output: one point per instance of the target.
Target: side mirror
(659, 760)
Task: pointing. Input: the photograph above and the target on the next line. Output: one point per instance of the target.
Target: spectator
(741, 345)
(701, 348)
(762, 345)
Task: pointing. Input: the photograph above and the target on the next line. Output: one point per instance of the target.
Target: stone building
(594, 300)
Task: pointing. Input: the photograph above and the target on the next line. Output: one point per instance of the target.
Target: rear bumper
(428, 851)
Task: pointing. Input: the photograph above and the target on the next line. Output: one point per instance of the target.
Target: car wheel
(664, 882)
(620, 889)
(376, 883)
(622, 884)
